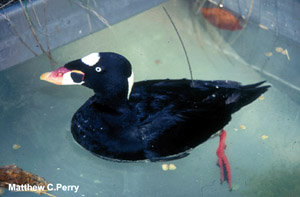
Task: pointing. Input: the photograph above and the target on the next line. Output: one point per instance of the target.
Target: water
(36, 115)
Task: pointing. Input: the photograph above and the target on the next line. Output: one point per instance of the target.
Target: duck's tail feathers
(245, 95)
(254, 85)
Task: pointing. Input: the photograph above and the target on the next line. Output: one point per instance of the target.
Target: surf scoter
(154, 120)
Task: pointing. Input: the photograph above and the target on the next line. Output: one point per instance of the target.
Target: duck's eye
(98, 69)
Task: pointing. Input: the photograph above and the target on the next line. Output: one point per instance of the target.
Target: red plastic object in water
(221, 18)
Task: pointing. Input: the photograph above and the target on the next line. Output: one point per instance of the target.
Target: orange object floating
(221, 18)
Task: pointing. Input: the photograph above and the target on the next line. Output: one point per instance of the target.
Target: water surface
(36, 115)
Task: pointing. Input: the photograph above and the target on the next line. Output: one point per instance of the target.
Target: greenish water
(36, 115)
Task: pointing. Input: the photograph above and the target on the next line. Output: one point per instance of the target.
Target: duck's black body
(161, 120)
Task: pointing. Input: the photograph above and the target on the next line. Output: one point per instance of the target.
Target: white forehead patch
(91, 59)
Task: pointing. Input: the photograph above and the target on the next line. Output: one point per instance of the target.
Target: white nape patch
(130, 83)
(67, 80)
(91, 59)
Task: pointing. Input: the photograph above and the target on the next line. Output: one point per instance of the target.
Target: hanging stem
(32, 28)
(14, 30)
(90, 9)
(245, 25)
(187, 58)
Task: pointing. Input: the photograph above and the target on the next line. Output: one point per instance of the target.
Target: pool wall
(66, 21)
(270, 43)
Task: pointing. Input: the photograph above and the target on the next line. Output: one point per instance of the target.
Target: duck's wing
(163, 104)
(191, 96)
(177, 115)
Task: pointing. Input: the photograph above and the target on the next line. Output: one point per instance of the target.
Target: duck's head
(108, 74)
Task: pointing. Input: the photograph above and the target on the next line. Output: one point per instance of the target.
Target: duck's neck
(115, 102)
